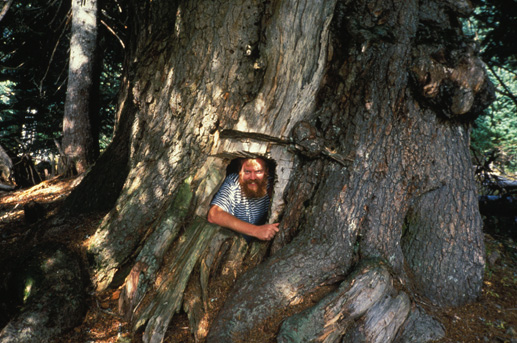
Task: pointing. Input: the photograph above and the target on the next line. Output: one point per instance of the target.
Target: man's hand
(266, 232)
(263, 232)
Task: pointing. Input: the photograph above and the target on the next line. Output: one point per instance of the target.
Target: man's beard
(254, 193)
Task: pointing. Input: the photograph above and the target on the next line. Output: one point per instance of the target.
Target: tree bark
(364, 107)
(78, 144)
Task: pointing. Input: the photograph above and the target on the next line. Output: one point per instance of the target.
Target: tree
(34, 71)
(78, 143)
(363, 107)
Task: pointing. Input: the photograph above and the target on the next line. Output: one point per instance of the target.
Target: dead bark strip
(148, 262)
(181, 287)
(382, 322)
(168, 293)
(222, 262)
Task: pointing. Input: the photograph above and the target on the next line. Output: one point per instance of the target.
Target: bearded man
(242, 202)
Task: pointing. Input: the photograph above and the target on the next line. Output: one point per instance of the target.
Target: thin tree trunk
(5, 8)
(78, 144)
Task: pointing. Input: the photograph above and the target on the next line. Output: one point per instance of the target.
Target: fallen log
(499, 183)
(4, 187)
(507, 184)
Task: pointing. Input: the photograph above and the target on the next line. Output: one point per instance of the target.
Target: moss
(183, 196)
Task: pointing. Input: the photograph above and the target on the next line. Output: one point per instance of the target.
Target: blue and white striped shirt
(231, 199)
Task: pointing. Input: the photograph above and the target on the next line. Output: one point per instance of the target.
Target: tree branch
(114, 33)
(5, 8)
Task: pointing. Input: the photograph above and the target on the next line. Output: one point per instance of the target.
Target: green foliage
(497, 129)
(493, 27)
(109, 86)
(6, 114)
(27, 289)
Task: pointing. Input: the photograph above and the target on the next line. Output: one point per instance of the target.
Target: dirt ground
(493, 318)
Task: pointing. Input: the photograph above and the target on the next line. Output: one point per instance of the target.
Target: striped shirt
(231, 200)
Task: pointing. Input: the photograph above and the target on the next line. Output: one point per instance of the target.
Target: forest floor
(493, 318)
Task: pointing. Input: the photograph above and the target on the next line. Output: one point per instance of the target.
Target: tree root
(366, 307)
(50, 287)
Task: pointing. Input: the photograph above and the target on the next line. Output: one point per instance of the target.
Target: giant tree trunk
(364, 108)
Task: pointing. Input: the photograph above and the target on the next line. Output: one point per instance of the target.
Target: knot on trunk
(308, 139)
(448, 75)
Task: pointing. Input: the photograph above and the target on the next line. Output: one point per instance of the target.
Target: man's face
(253, 178)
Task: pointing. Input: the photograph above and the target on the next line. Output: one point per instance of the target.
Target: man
(242, 202)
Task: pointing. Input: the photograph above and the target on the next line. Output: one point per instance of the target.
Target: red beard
(258, 192)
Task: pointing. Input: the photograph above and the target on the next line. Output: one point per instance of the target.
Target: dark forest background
(34, 57)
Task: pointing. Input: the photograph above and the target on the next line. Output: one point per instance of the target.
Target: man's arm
(218, 216)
